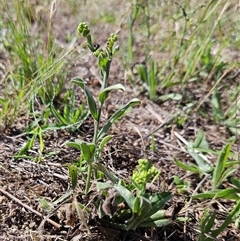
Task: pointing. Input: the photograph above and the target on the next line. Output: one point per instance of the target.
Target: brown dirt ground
(24, 182)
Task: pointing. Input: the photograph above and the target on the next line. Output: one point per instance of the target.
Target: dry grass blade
(80, 213)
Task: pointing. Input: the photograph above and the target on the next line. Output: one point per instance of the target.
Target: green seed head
(111, 40)
(83, 29)
(97, 52)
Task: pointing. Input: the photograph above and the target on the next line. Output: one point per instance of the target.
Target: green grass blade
(58, 116)
(235, 182)
(152, 80)
(73, 173)
(220, 166)
(230, 218)
(229, 193)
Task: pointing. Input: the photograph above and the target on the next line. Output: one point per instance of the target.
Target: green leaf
(73, 173)
(136, 206)
(88, 150)
(156, 223)
(103, 185)
(152, 79)
(67, 114)
(80, 115)
(202, 164)
(104, 141)
(116, 116)
(177, 180)
(74, 145)
(47, 206)
(98, 166)
(210, 222)
(143, 73)
(235, 182)
(143, 206)
(85, 151)
(25, 148)
(228, 172)
(200, 141)
(220, 166)
(41, 143)
(91, 102)
(216, 105)
(159, 214)
(229, 219)
(53, 127)
(28, 145)
(158, 201)
(204, 220)
(172, 96)
(229, 193)
(63, 197)
(103, 95)
(58, 116)
(126, 195)
(191, 167)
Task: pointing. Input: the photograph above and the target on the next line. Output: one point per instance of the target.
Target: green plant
(38, 74)
(39, 70)
(231, 118)
(189, 45)
(153, 146)
(133, 205)
(219, 172)
(181, 185)
(202, 166)
(222, 170)
(148, 70)
(71, 118)
(143, 174)
(91, 151)
(216, 106)
(211, 65)
(208, 221)
(228, 117)
(148, 75)
(32, 137)
(199, 47)
(206, 224)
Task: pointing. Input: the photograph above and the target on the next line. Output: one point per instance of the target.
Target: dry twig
(56, 225)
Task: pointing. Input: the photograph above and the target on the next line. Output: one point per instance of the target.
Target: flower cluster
(83, 29)
(144, 173)
(110, 43)
(104, 56)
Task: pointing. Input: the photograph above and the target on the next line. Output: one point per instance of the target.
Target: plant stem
(105, 81)
(88, 178)
(97, 122)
